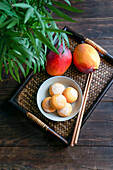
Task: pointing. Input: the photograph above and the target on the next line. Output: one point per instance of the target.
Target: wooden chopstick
(81, 112)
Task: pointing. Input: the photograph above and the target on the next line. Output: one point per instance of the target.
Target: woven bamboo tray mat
(27, 97)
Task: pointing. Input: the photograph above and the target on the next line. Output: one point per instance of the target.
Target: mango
(57, 64)
(86, 58)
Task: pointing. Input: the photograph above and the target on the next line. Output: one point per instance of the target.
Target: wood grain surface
(23, 145)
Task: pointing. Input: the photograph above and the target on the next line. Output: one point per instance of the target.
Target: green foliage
(26, 30)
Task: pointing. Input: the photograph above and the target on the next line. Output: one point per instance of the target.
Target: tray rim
(89, 111)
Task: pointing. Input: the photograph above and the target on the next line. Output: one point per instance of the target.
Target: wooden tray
(25, 98)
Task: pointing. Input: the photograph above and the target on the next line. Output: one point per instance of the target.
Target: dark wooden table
(24, 146)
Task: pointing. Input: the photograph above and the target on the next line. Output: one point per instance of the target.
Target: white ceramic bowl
(43, 92)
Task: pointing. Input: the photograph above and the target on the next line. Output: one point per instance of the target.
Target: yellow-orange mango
(86, 58)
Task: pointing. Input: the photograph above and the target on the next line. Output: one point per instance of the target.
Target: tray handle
(44, 126)
(99, 49)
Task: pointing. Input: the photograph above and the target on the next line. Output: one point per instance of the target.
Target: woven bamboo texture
(27, 97)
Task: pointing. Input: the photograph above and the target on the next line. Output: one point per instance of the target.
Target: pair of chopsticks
(81, 112)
